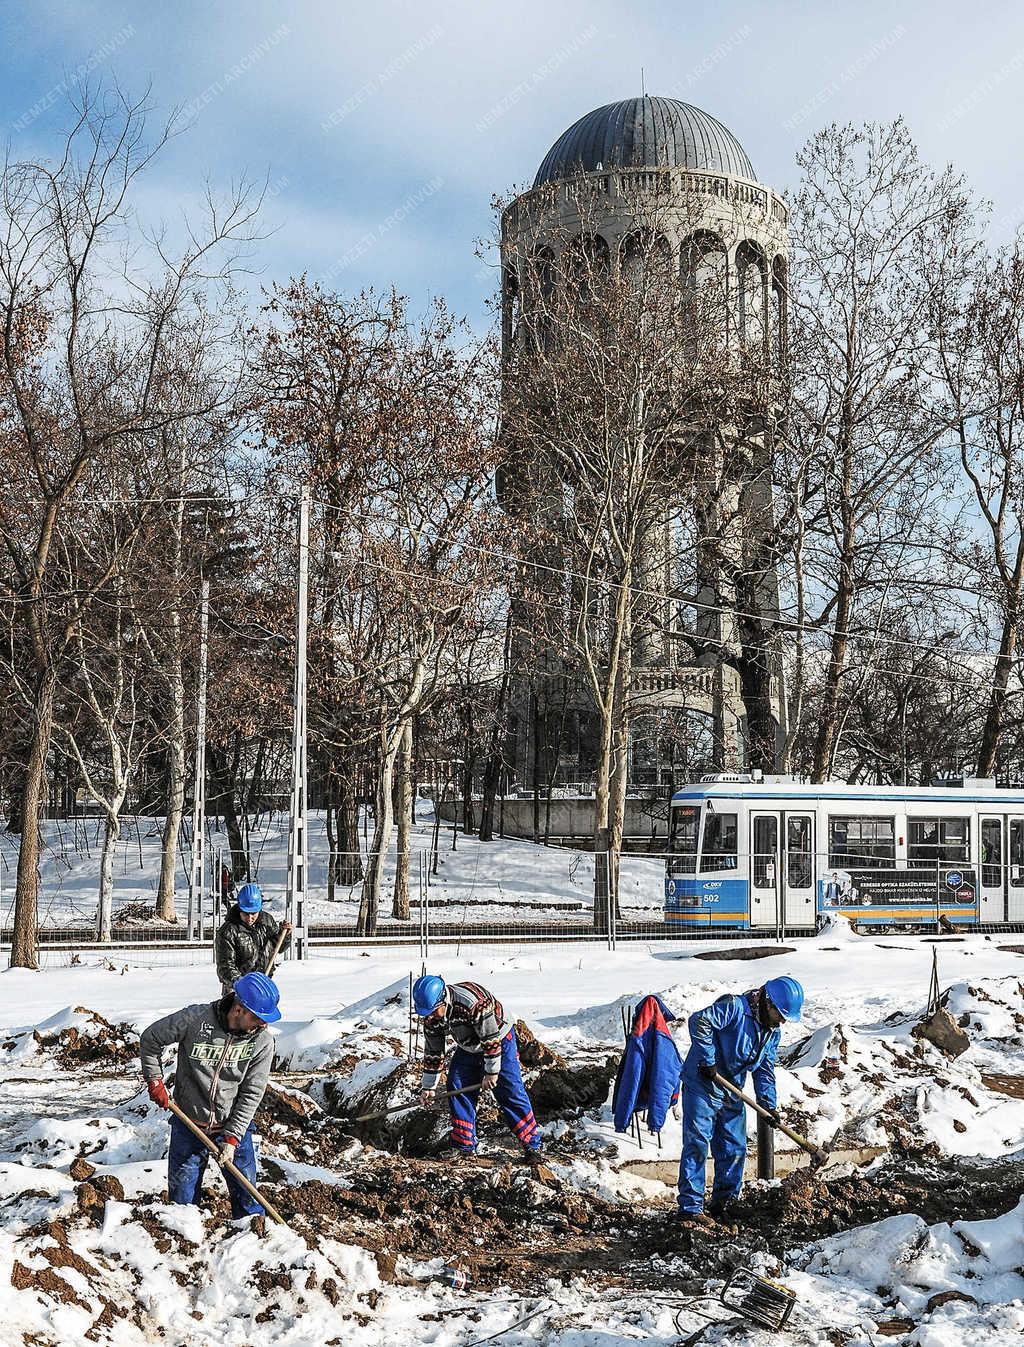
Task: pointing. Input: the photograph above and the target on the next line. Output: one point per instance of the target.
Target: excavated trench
(505, 1223)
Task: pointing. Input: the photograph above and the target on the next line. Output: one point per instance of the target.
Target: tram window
(798, 851)
(720, 842)
(1017, 853)
(861, 843)
(683, 847)
(933, 841)
(992, 853)
(766, 842)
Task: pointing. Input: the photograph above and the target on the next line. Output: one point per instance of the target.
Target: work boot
(533, 1155)
(455, 1155)
(694, 1220)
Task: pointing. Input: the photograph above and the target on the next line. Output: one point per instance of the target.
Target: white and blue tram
(750, 853)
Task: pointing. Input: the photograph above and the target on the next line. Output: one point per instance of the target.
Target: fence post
(612, 903)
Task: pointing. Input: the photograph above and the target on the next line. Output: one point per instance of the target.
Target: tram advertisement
(953, 886)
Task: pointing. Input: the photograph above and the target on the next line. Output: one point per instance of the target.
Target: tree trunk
(373, 881)
(496, 747)
(997, 700)
(403, 810)
(222, 803)
(111, 832)
(349, 861)
(24, 939)
(175, 803)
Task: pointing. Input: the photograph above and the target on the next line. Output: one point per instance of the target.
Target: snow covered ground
(501, 881)
(588, 1260)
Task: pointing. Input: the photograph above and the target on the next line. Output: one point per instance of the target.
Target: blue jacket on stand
(649, 1071)
(728, 1037)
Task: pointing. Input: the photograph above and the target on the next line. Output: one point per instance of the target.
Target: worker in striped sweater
(485, 1055)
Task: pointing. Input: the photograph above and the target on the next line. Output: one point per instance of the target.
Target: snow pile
(944, 1284)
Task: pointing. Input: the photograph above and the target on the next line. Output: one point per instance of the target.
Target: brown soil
(745, 952)
(48, 1282)
(1008, 1085)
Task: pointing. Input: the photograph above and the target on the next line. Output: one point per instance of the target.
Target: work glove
(773, 1115)
(158, 1093)
(226, 1154)
(708, 1070)
(427, 1099)
(487, 1086)
(286, 926)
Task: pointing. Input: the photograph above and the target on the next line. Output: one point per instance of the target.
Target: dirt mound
(561, 1091)
(97, 1043)
(498, 1223)
(532, 1052)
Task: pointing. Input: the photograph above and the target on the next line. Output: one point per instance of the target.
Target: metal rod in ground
(212, 1146)
(410, 1012)
(402, 1108)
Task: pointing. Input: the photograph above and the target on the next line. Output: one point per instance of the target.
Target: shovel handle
(212, 1146)
(277, 950)
(802, 1142)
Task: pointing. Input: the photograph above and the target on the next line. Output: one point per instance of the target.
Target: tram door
(798, 875)
(1015, 871)
(764, 870)
(993, 878)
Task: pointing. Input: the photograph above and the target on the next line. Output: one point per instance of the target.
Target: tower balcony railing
(678, 182)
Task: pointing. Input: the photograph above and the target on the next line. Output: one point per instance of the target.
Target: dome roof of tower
(645, 133)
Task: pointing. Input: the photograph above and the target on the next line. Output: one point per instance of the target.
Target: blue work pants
(186, 1164)
(716, 1119)
(467, 1068)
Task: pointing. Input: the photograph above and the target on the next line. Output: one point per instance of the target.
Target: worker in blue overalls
(735, 1035)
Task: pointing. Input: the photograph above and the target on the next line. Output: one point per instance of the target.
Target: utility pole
(195, 888)
(296, 892)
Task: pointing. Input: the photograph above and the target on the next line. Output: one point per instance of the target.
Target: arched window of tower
(780, 317)
(705, 278)
(752, 291)
(645, 263)
(510, 307)
(540, 291)
(586, 262)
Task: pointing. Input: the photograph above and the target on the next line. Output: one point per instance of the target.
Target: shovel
(212, 1146)
(401, 1108)
(819, 1156)
(277, 950)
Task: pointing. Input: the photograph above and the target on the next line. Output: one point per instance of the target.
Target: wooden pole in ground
(212, 1146)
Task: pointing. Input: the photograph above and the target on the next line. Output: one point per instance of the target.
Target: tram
(752, 852)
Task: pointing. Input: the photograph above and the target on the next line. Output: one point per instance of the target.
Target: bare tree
(89, 358)
(978, 327)
(871, 227)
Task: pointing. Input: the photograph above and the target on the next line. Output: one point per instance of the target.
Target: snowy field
(925, 1246)
(504, 881)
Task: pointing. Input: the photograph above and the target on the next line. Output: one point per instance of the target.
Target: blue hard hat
(250, 897)
(786, 995)
(259, 995)
(427, 993)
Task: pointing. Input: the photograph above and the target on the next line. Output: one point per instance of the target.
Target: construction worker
(485, 1055)
(735, 1035)
(221, 1074)
(246, 938)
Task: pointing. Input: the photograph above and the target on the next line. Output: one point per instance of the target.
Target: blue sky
(384, 127)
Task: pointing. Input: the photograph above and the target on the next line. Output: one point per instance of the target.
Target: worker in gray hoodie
(220, 1077)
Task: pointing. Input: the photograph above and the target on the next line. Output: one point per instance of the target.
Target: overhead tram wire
(722, 610)
(781, 622)
(850, 670)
